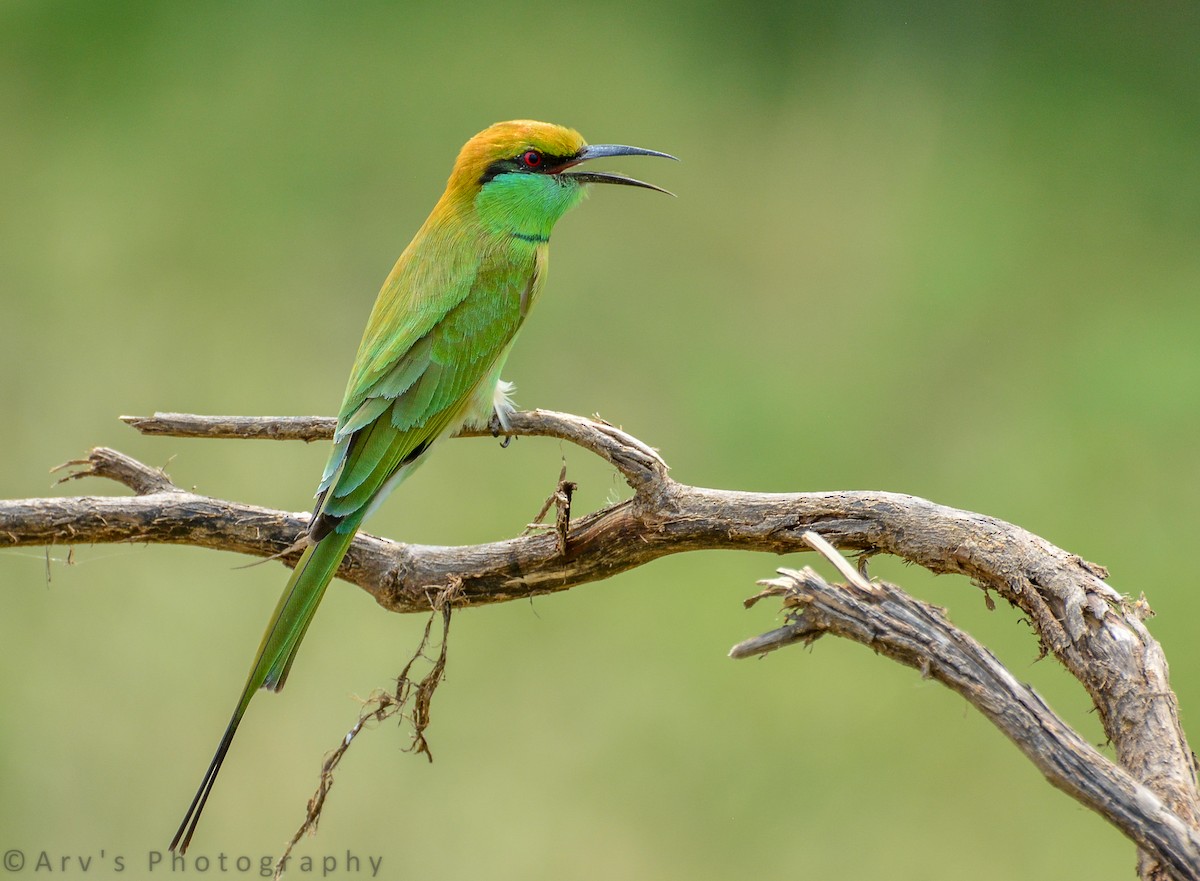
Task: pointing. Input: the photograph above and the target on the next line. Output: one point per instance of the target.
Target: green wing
(412, 380)
(394, 409)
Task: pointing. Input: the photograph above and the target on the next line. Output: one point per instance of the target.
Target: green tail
(296, 608)
(294, 612)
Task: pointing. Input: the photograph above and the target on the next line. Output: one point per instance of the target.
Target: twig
(103, 462)
(829, 552)
(560, 500)
(379, 707)
(304, 428)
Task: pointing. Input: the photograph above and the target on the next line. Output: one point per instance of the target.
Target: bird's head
(516, 175)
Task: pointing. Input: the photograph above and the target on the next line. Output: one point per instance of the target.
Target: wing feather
(394, 409)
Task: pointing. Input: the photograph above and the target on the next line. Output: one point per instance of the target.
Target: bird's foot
(499, 426)
(502, 410)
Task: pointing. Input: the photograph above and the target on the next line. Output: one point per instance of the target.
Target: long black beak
(600, 151)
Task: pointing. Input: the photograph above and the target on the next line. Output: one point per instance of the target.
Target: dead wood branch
(1095, 632)
(884, 618)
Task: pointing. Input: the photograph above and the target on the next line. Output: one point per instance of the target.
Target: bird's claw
(497, 427)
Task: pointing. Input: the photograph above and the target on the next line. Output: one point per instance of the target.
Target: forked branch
(916, 634)
(1095, 632)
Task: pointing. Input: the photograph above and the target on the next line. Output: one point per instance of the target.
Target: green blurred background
(944, 249)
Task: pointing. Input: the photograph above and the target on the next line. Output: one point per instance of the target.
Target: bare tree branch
(1095, 632)
(884, 618)
(305, 428)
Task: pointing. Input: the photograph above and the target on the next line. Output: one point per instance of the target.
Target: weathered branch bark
(1095, 632)
(892, 623)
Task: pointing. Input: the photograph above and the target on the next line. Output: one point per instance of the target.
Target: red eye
(531, 158)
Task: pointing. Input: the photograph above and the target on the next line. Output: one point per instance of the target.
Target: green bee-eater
(430, 358)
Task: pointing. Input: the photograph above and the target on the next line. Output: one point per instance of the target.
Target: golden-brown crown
(507, 140)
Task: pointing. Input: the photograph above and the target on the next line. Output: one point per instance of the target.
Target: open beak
(600, 151)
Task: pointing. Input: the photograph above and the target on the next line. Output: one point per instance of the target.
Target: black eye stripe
(516, 164)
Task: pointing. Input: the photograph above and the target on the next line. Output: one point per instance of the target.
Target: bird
(430, 358)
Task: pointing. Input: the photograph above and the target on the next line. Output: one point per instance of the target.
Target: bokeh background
(944, 249)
